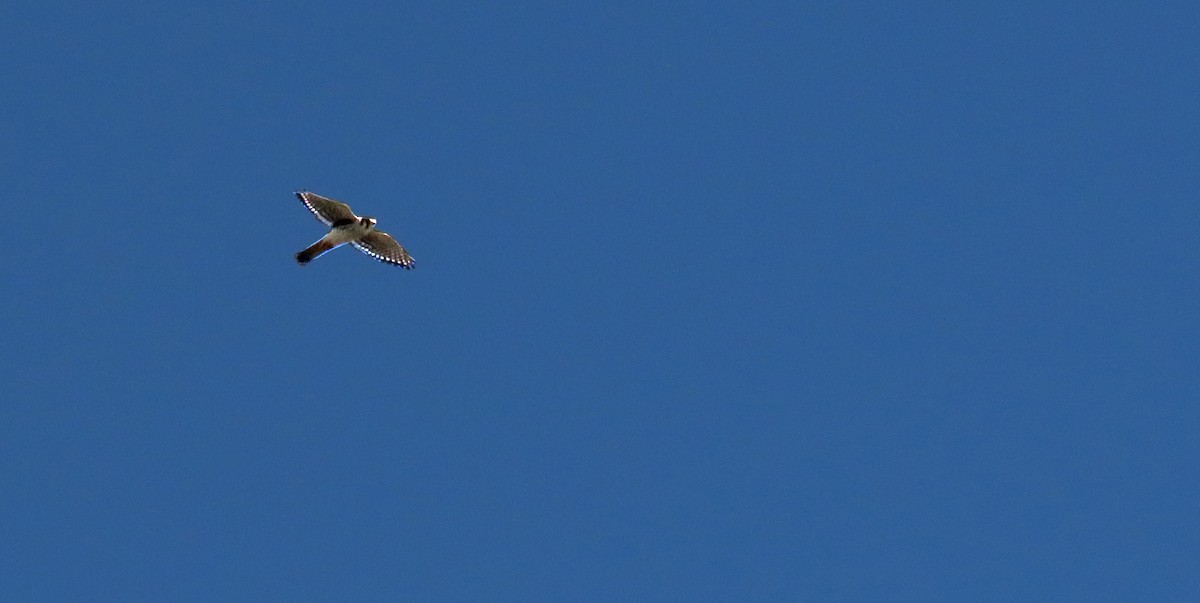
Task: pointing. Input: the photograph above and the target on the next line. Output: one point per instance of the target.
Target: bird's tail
(314, 251)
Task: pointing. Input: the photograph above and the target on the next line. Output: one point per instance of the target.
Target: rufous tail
(313, 251)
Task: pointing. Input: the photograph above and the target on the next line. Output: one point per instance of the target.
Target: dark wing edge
(381, 246)
(325, 209)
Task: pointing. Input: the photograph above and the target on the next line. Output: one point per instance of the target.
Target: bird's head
(369, 222)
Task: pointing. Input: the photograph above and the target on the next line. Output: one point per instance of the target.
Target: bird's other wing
(325, 209)
(381, 246)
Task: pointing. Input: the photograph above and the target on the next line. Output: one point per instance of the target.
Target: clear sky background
(737, 301)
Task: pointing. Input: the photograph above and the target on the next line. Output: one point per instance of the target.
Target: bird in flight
(345, 227)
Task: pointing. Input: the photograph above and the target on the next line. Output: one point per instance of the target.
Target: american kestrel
(345, 227)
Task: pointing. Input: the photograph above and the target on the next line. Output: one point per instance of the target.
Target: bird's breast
(349, 232)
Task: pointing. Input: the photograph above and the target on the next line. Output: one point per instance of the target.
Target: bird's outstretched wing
(381, 246)
(326, 210)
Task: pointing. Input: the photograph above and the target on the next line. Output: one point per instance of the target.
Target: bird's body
(345, 227)
(338, 235)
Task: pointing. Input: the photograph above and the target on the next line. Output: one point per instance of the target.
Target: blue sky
(715, 302)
